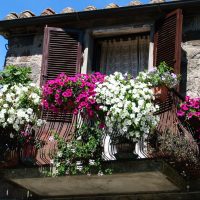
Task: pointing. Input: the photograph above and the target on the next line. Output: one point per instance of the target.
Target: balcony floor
(141, 176)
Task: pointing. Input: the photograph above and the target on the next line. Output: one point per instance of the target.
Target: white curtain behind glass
(126, 56)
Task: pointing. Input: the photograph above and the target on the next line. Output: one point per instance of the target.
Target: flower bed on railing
(117, 106)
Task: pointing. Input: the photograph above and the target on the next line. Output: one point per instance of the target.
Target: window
(127, 54)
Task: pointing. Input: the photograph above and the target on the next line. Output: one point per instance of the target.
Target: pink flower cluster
(190, 111)
(72, 94)
(190, 108)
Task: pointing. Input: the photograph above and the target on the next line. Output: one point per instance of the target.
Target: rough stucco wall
(26, 51)
(192, 49)
(191, 55)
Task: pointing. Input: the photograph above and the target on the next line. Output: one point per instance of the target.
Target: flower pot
(160, 93)
(11, 159)
(195, 123)
(28, 154)
(125, 150)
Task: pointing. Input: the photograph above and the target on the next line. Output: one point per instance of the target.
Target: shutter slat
(167, 40)
(61, 54)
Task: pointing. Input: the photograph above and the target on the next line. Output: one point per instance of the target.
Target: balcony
(152, 171)
(90, 147)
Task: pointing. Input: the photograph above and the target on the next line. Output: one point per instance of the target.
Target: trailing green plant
(15, 75)
(82, 155)
(177, 148)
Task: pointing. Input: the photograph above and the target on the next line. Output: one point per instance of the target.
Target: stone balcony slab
(129, 177)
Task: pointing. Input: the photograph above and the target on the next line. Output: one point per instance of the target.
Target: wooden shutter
(167, 40)
(61, 53)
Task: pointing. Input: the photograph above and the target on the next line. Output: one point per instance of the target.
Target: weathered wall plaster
(26, 51)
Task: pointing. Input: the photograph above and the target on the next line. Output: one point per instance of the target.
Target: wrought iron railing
(168, 121)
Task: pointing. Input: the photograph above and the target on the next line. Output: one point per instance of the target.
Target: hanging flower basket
(161, 93)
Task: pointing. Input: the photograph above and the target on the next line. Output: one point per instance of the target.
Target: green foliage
(83, 155)
(178, 148)
(14, 75)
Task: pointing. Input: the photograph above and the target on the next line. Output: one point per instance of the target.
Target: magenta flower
(187, 98)
(57, 96)
(67, 93)
(180, 113)
(73, 94)
(184, 107)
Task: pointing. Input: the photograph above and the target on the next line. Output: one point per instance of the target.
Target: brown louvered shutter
(61, 53)
(167, 40)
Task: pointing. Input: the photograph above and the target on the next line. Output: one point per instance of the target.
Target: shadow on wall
(190, 84)
(184, 63)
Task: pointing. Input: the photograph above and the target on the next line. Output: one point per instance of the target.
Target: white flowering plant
(20, 101)
(128, 106)
(19, 106)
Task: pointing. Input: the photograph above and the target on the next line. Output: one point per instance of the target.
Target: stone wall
(191, 56)
(192, 49)
(26, 51)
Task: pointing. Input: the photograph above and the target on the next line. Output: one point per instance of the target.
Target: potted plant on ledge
(161, 79)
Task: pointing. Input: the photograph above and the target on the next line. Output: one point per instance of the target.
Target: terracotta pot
(194, 123)
(11, 159)
(125, 150)
(28, 154)
(161, 93)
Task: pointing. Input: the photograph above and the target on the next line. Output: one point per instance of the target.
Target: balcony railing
(168, 122)
(154, 175)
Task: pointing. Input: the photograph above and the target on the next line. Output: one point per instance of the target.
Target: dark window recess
(126, 54)
(61, 54)
(167, 40)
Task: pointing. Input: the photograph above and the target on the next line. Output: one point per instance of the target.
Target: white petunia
(10, 120)
(4, 89)
(39, 122)
(5, 105)
(8, 98)
(30, 111)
